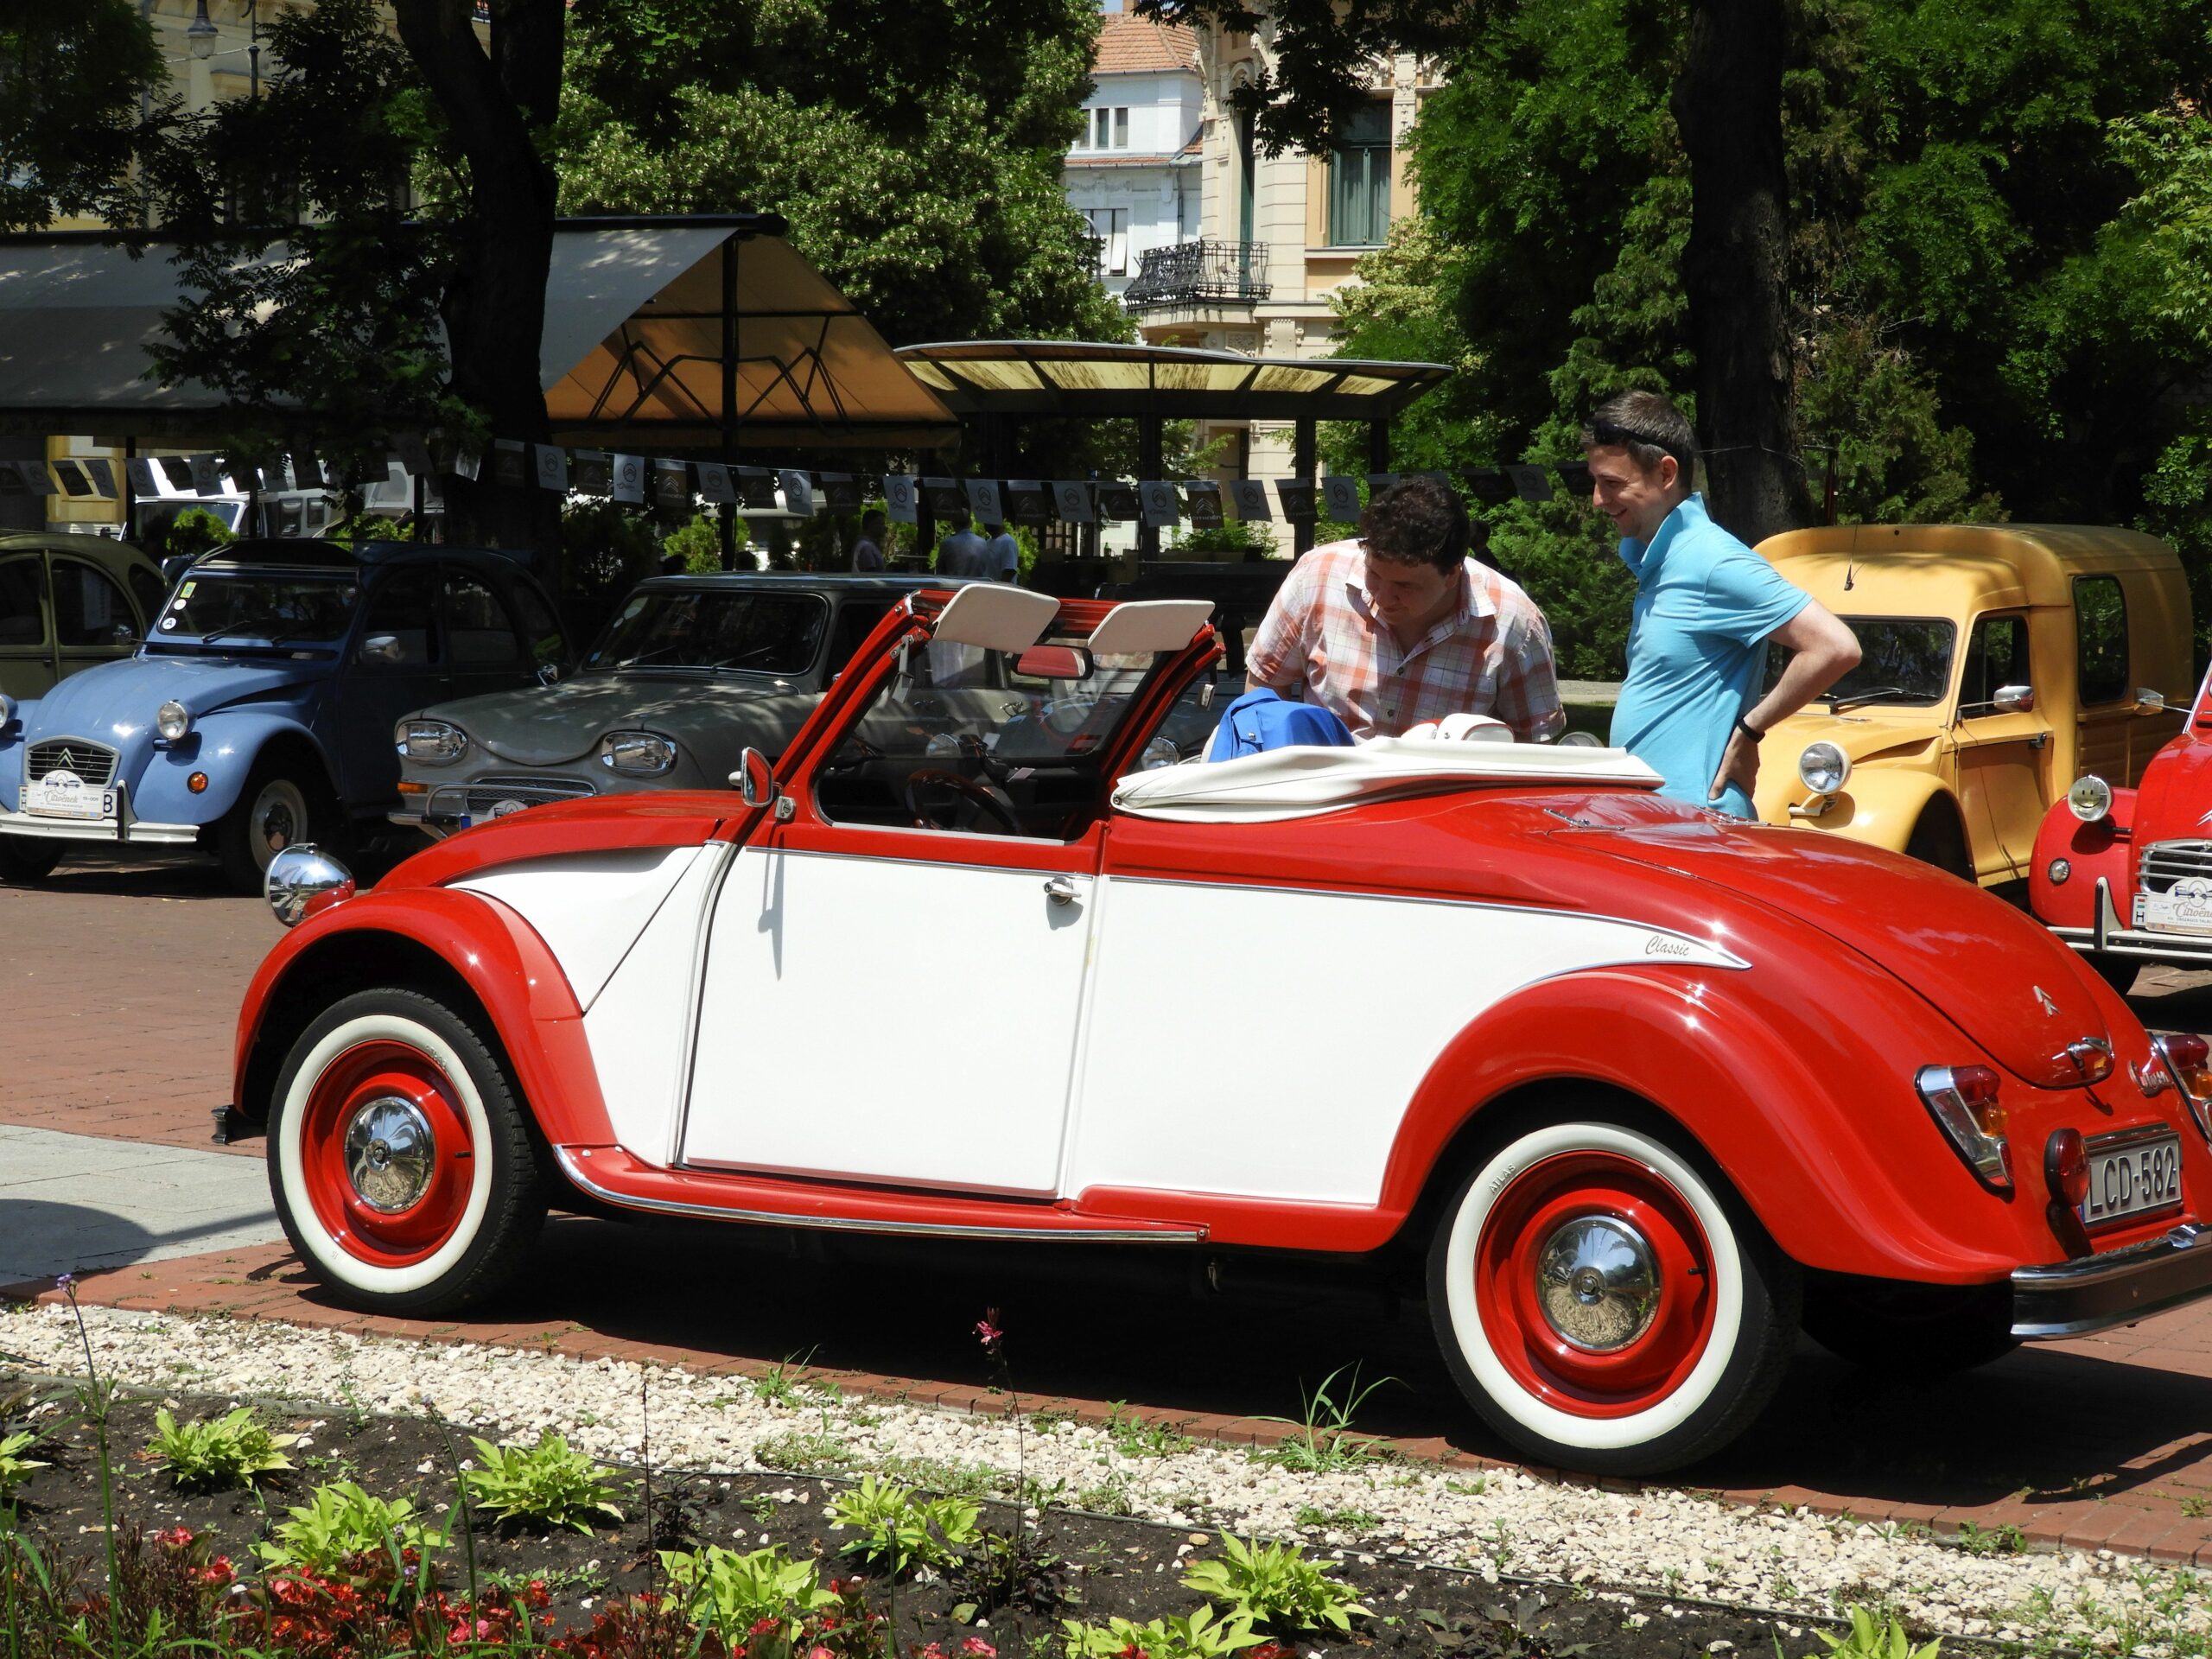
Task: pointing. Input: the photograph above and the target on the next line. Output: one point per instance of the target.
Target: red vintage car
(2125, 875)
(1632, 1093)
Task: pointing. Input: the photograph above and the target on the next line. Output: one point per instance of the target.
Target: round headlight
(434, 742)
(637, 754)
(2061, 870)
(1823, 768)
(7, 709)
(173, 721)
(2090, 799)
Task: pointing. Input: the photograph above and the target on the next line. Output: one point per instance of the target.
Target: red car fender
(492, 950)
(1811, 1166)
(2103, 848)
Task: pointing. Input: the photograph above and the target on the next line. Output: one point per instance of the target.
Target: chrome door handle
(1060, 890)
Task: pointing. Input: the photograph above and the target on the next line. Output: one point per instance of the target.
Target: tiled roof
(1130, 44)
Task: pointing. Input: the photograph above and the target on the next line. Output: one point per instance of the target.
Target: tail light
(1962, 1099)
(2188, 1060)
(2066, 1167)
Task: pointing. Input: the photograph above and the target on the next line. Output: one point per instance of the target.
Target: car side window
(401, 628)
(855, 621)
(89, 609)
(541, 630)
(480, 632)
(149, 589)
(2100, 637)
(22, 584)
(1997, 655)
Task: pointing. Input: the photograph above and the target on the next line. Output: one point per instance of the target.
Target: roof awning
(631, 351)
(1087, 379)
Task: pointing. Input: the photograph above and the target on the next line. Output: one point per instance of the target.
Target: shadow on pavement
(183, 874)
(39, 1238)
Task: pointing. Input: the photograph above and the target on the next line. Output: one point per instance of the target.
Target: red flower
(979, 1648)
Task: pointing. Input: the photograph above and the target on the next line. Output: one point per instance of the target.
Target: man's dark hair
(873, 518)
(1648, 426)
(1417, 521)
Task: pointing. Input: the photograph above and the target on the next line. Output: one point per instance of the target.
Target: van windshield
(1904, 662)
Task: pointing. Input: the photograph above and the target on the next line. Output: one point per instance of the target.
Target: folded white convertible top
(1298, 783)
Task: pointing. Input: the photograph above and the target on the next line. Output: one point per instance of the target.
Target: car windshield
(1904, 661)
(990, 742)
(675, 627)
(256, 607)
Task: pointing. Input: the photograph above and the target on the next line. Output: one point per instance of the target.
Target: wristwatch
(1750, 732)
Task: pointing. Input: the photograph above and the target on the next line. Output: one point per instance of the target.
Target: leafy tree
(71, 79)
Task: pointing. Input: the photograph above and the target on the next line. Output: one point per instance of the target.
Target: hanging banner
(1575, 474)
(11, 480)
(549, 465)
(1340, 498)
(1162, 507)
(901, 500)
(1204, 498)
(36, 478)
(469, 463)
(798, 491)
(1296, 495)
(626, 482)
(178, 470)
(672, 487)
(1117, 500)
(756, 487)
(74, 481)
(1378, 482)
(1026, 503)
(1529, 483)
(139, 469)
(945, 496)
(206, 479)
(1489, 486)
(715, 483)
(414, 454)
(591, 472)
(841, 492)
(1071, 501)
(510, 459)
(1250, 496)
(983, 501)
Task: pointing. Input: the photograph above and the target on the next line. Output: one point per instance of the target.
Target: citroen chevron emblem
(2048, 1007)
(66, 761)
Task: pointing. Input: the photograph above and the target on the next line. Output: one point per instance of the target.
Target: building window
(1109, 226)
(1359, 179)
(1104, 129)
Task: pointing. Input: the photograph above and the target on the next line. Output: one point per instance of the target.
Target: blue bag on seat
(1259, 721)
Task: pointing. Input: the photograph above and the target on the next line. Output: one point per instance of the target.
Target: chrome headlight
(302, 880)
(7, 709)
(434, 742)
(2090, 799)
(637, 754)
(172, 720)
(1823, 768)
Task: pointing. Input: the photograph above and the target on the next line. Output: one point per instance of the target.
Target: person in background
(961, 553)
(1401, 626)
(1001, 554)
(867, 552)
(1706, 606)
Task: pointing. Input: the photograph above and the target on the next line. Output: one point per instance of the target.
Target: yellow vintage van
(2000, 662)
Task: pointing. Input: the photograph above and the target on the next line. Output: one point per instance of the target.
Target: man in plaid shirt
(1401, 626)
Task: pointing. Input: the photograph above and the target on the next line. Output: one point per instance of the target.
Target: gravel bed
(1659, 1542)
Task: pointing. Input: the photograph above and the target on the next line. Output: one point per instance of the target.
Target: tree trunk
(495, 309)
(1728, 104)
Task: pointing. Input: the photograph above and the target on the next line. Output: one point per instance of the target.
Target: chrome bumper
(2108, 936)
(2069, 1299)
(122, 828)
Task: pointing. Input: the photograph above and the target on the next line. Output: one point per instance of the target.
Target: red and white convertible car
(1632, 1091)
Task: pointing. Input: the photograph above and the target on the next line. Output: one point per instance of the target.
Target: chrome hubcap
(389, 1153)
(1597, 1284)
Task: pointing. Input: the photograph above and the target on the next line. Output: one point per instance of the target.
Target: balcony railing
(1199, 273)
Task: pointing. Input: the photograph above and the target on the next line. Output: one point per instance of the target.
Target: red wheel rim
(1558, 1193)
(383, 1077)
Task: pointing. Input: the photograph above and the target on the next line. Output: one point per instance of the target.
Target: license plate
(2133, 1173)
(65, 795)
(2174, 912)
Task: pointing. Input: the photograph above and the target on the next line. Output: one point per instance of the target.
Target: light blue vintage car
(258, 711)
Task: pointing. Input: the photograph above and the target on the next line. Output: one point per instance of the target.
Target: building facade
(1134, 171)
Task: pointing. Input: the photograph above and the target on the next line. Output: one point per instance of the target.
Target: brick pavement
(2105, 1441)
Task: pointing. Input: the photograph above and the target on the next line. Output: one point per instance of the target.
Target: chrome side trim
(570, 1167)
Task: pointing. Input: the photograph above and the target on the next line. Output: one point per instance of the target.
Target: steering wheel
(976, 794)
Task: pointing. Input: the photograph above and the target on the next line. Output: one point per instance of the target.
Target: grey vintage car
(692, 671)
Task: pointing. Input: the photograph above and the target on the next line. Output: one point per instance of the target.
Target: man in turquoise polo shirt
(1706, 606)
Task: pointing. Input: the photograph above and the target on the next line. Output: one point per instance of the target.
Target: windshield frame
(160, 638)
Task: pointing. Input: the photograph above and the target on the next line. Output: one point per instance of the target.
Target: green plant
(780, 1384)
(1143, 1436)
(803, 1453)
(735, 1592)
(547, 1482)
(341, 1522)
(1327, 1443)
(902, 1530)
(699, 544)
(1869, 1640)
(1275, 1585)
(234, 1449)
(1202, 1635)
(1990, 1540)
(1345, 1520)
(15, 1468)
(2194, 1506)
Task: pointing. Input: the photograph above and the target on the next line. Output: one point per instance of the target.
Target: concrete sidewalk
(72, 1202)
